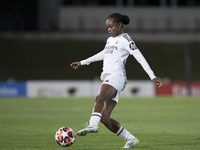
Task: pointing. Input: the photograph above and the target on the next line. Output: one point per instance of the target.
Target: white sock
(95, 119)
(123, 133)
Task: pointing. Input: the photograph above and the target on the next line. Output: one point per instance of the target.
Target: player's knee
(99, 99)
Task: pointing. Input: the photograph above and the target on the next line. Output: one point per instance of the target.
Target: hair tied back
(126, 19)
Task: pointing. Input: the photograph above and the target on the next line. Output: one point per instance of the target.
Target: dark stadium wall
(50, 60)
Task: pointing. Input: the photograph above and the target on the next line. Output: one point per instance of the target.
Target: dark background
(49, 59)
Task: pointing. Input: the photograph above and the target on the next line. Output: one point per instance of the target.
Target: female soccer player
(117, 49)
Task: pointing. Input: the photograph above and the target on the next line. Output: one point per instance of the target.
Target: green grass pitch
(161, 123)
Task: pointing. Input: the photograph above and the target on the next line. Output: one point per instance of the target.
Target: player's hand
(158, 82)
(75, 65)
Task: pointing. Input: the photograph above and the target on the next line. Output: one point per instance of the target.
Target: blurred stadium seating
(39, 38)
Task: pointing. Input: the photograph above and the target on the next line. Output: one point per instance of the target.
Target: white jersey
(115, 54)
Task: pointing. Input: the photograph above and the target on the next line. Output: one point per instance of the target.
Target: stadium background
(39, 39)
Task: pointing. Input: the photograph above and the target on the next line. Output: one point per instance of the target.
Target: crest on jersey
(117, 42)
(132, 46)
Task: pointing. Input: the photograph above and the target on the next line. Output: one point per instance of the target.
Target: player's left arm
(133, 50)
(157, 82)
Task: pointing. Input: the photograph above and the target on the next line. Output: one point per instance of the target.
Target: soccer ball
(65, 136)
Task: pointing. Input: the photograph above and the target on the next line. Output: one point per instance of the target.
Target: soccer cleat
(88, 129)
(131, 143)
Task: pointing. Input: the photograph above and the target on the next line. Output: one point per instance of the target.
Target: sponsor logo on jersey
(108, 51)
(117, 42)
(111, 47)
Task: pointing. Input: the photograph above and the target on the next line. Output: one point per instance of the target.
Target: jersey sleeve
(133, 50)
(97, 57)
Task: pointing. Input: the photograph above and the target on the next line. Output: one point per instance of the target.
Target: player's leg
(110, 123)
(106, 93)
(115, 126)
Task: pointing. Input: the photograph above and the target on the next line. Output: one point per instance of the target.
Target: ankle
(95, 119)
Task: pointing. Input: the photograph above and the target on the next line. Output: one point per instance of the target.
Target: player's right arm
(75, 65)
(97, 57)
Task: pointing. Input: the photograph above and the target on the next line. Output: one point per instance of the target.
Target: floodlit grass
(159, 123)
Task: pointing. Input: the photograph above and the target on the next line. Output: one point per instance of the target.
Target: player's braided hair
(124, 19)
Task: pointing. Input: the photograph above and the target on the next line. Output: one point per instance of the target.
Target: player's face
(114, 28)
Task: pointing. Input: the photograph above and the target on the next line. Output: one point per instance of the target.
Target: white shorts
(116, 81)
